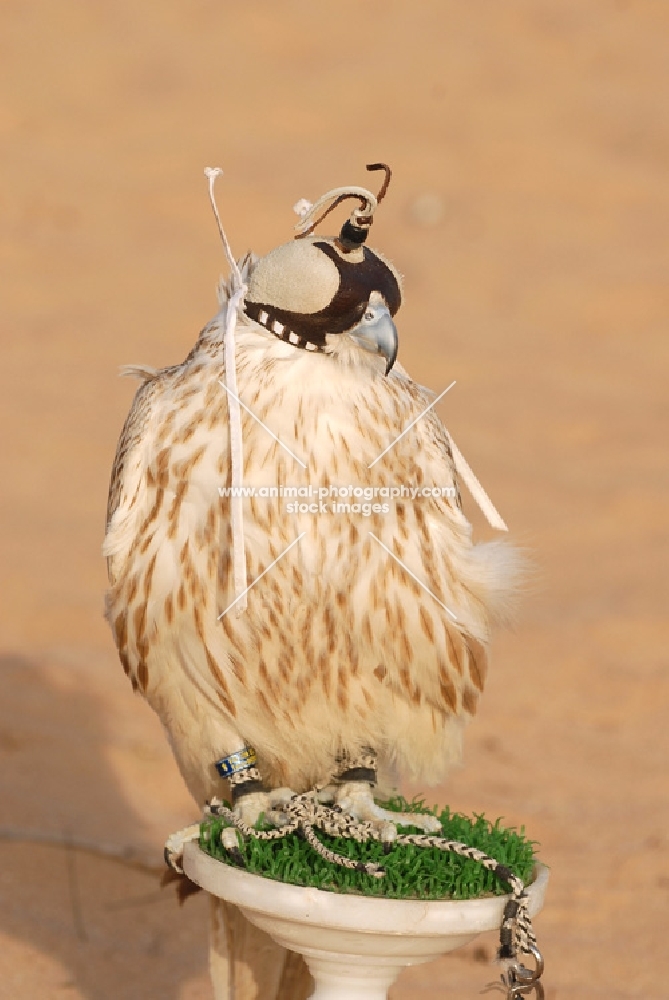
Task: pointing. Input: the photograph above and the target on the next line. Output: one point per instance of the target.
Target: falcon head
(314, 289)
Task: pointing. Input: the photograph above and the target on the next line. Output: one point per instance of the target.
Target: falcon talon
(388, 834)
(230, 843)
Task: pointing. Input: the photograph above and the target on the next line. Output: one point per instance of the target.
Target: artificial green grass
(411, 872)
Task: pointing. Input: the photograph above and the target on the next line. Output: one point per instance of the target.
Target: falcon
(317, 627)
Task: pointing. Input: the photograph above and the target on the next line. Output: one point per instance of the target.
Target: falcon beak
(377, 333)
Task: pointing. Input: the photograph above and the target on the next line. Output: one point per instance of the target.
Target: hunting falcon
(362, 639)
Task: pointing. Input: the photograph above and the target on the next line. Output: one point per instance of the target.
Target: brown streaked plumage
(339, 647)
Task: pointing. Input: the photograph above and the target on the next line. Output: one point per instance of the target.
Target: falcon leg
(249, 806)
(353, 793)
(249, 799)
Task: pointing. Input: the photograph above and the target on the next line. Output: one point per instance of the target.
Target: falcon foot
(357, 799)
(353, 794)
(250, 801)
(250, 806)
(248, 809)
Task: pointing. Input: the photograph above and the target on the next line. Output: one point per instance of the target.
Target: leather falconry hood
(314, 285)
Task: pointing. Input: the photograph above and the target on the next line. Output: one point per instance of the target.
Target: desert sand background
(529, 213)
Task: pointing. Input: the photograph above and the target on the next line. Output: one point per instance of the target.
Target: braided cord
(305, 814)
(516, 913)
(216, 808)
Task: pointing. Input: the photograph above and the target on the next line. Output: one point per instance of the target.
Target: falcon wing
(127, 500)
(441, 592)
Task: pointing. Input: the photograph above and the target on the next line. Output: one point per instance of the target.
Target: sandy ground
(529, 213)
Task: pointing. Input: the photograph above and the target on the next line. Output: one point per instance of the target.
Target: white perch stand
(354, 946)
